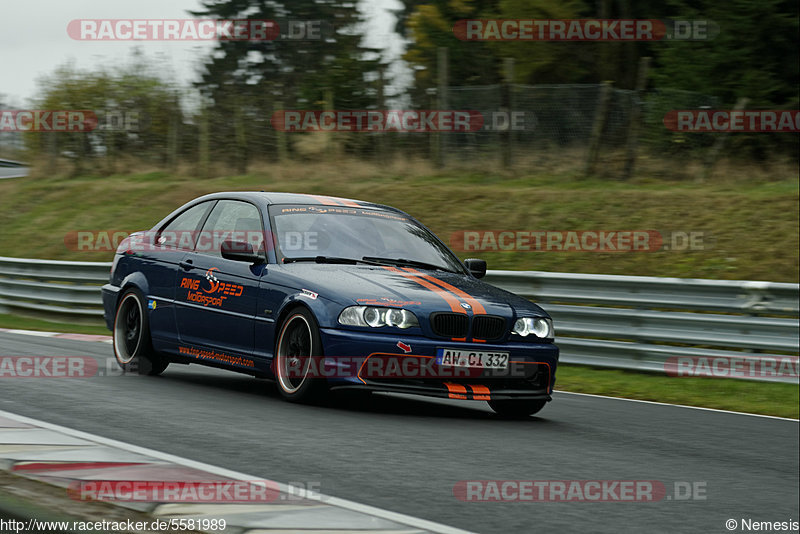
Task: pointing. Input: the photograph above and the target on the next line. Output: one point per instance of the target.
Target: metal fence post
(597, 129)
(507, 105)
(203, 142)
(441, 100)
(636, 119)
(715, 150)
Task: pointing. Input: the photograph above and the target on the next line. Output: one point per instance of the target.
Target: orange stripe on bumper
(480, 392)
(456, 391)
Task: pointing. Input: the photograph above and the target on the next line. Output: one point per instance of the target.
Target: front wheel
(133, 348)
(517, 408)
(297, 354)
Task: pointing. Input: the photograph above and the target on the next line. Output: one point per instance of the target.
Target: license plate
(471, 358)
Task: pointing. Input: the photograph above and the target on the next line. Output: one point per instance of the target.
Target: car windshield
(350, 235)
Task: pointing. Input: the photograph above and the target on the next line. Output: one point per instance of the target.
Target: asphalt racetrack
(406, 454)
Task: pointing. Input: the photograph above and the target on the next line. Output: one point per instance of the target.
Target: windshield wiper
(406, 262)
(328, 259)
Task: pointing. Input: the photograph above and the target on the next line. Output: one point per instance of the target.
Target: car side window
(232, 220)
(181, 232)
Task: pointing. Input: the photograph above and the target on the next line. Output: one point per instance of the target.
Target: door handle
(187, 265)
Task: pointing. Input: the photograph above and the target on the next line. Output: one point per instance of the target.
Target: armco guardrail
(61, 288)
(625, 322)
(643, 322)
(13, 169)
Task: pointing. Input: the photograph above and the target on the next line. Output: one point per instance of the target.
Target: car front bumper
(407, 364)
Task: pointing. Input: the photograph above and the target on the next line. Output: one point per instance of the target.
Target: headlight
(538, 326)
(374, 317)
(377, 317)
(401, 318)
(353, 316)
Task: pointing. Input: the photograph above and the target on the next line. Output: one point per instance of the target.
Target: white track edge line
(397, 517)
(680, 406)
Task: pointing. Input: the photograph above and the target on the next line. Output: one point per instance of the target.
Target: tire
(133, 348)
(517, 409)
(298, 342)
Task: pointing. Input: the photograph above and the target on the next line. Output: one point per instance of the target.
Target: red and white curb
(65, 457)
(59, 335)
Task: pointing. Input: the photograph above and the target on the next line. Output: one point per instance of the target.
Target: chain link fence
(557, 122)
(521, 124)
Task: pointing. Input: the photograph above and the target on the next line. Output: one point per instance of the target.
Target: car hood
(423, 289)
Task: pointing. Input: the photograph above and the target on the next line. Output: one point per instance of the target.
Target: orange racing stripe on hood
(477, 307)
(450, 299)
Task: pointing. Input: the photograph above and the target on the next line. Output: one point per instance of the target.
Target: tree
(133, 104)
(243, 80)
(755, 54)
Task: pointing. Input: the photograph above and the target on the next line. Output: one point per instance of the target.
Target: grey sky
(34, 40)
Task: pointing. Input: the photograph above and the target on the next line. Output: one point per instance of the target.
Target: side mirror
(240, 251)
(476, 267)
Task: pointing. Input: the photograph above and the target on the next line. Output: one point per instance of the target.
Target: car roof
(271, 198)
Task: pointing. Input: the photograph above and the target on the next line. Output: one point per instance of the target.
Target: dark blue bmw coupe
(323, 293)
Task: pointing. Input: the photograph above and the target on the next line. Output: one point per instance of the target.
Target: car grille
(450, 324)
(488, 327)
(457, 325)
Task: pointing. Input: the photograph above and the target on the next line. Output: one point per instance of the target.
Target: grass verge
(767, 398)
(40, 325)
(747, 227)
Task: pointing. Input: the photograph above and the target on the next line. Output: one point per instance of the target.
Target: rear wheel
(133, 348)
(297, 354)
(517, 408)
